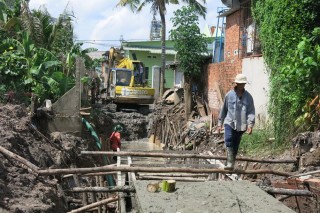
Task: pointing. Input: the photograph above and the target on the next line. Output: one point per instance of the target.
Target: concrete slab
(208, 197)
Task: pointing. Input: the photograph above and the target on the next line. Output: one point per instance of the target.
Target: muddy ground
(23, 191)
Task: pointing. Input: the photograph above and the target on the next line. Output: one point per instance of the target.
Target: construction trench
(61, 162)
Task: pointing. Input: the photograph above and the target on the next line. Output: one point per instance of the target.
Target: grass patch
(261, 143)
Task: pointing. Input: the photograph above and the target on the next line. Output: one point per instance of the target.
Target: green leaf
(28, 81)
(49, 64)
(34, 70)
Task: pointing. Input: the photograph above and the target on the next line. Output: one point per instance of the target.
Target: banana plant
(75, 52)
(41, 70)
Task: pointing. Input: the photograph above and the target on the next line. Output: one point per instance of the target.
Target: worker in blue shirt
(238, 116)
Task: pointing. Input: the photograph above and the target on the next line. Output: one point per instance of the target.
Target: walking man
(238, 116)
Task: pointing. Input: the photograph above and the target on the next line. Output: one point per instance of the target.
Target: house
(149, 52)
(242, 54)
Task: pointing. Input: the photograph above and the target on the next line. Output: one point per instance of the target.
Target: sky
(100, 24)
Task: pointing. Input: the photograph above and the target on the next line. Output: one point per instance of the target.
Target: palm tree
(159, 6)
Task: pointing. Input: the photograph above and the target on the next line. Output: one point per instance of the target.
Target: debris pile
(171, 126)
(306, 146)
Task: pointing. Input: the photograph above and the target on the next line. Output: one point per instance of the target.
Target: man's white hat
(241, 79)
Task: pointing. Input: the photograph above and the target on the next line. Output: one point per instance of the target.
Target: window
(249, 38)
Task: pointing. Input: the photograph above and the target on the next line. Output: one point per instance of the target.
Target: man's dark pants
(232, 138)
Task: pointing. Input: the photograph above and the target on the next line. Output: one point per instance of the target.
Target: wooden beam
(102, 189)
(291, 192)
(187, 179)
(160, 170)
(172, 175)
(19, 159)
(93, 205)
(175, 155)
(307, 173)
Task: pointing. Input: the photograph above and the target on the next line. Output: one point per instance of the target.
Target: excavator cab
(123, 77)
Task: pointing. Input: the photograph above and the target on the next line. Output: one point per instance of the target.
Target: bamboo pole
(93, 205)
(100, 173)
(291, 192)
(102, 189)
(187, 179)
(160, 170)
(176, 155)
(173, 175)
(84, 195)
(307, 173)
(19, 159)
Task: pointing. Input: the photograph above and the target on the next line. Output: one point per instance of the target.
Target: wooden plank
(200, 107)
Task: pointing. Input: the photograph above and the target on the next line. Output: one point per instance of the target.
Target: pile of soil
(134, 124)
(22, 190)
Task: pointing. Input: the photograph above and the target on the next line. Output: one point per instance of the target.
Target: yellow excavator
(126, 85)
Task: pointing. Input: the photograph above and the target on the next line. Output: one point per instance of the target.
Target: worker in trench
(237, 116)
(115, 139)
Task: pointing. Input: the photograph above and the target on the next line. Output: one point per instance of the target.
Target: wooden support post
(61, 192)
(84, 195)
(244, 168)
(93, 194)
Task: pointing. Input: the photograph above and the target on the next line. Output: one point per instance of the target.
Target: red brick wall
(221, 75)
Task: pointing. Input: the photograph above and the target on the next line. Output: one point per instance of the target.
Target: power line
(97, 40)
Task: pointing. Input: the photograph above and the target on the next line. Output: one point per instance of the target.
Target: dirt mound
(134, 124)
(21, 190)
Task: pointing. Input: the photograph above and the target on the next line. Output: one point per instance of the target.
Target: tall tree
(191, 46)
(159, 6)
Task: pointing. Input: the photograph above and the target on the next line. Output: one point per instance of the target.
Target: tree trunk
(163, 49)
(187, 95)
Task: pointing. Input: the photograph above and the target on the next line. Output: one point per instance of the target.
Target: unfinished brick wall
(221, 75)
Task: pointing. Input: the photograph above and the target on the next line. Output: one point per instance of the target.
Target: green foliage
(261, 143)
(188, 41)
(37, 52)
(31, 69)
(291, 54)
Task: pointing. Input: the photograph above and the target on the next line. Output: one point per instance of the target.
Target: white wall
(155, 83)
(258, 85)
